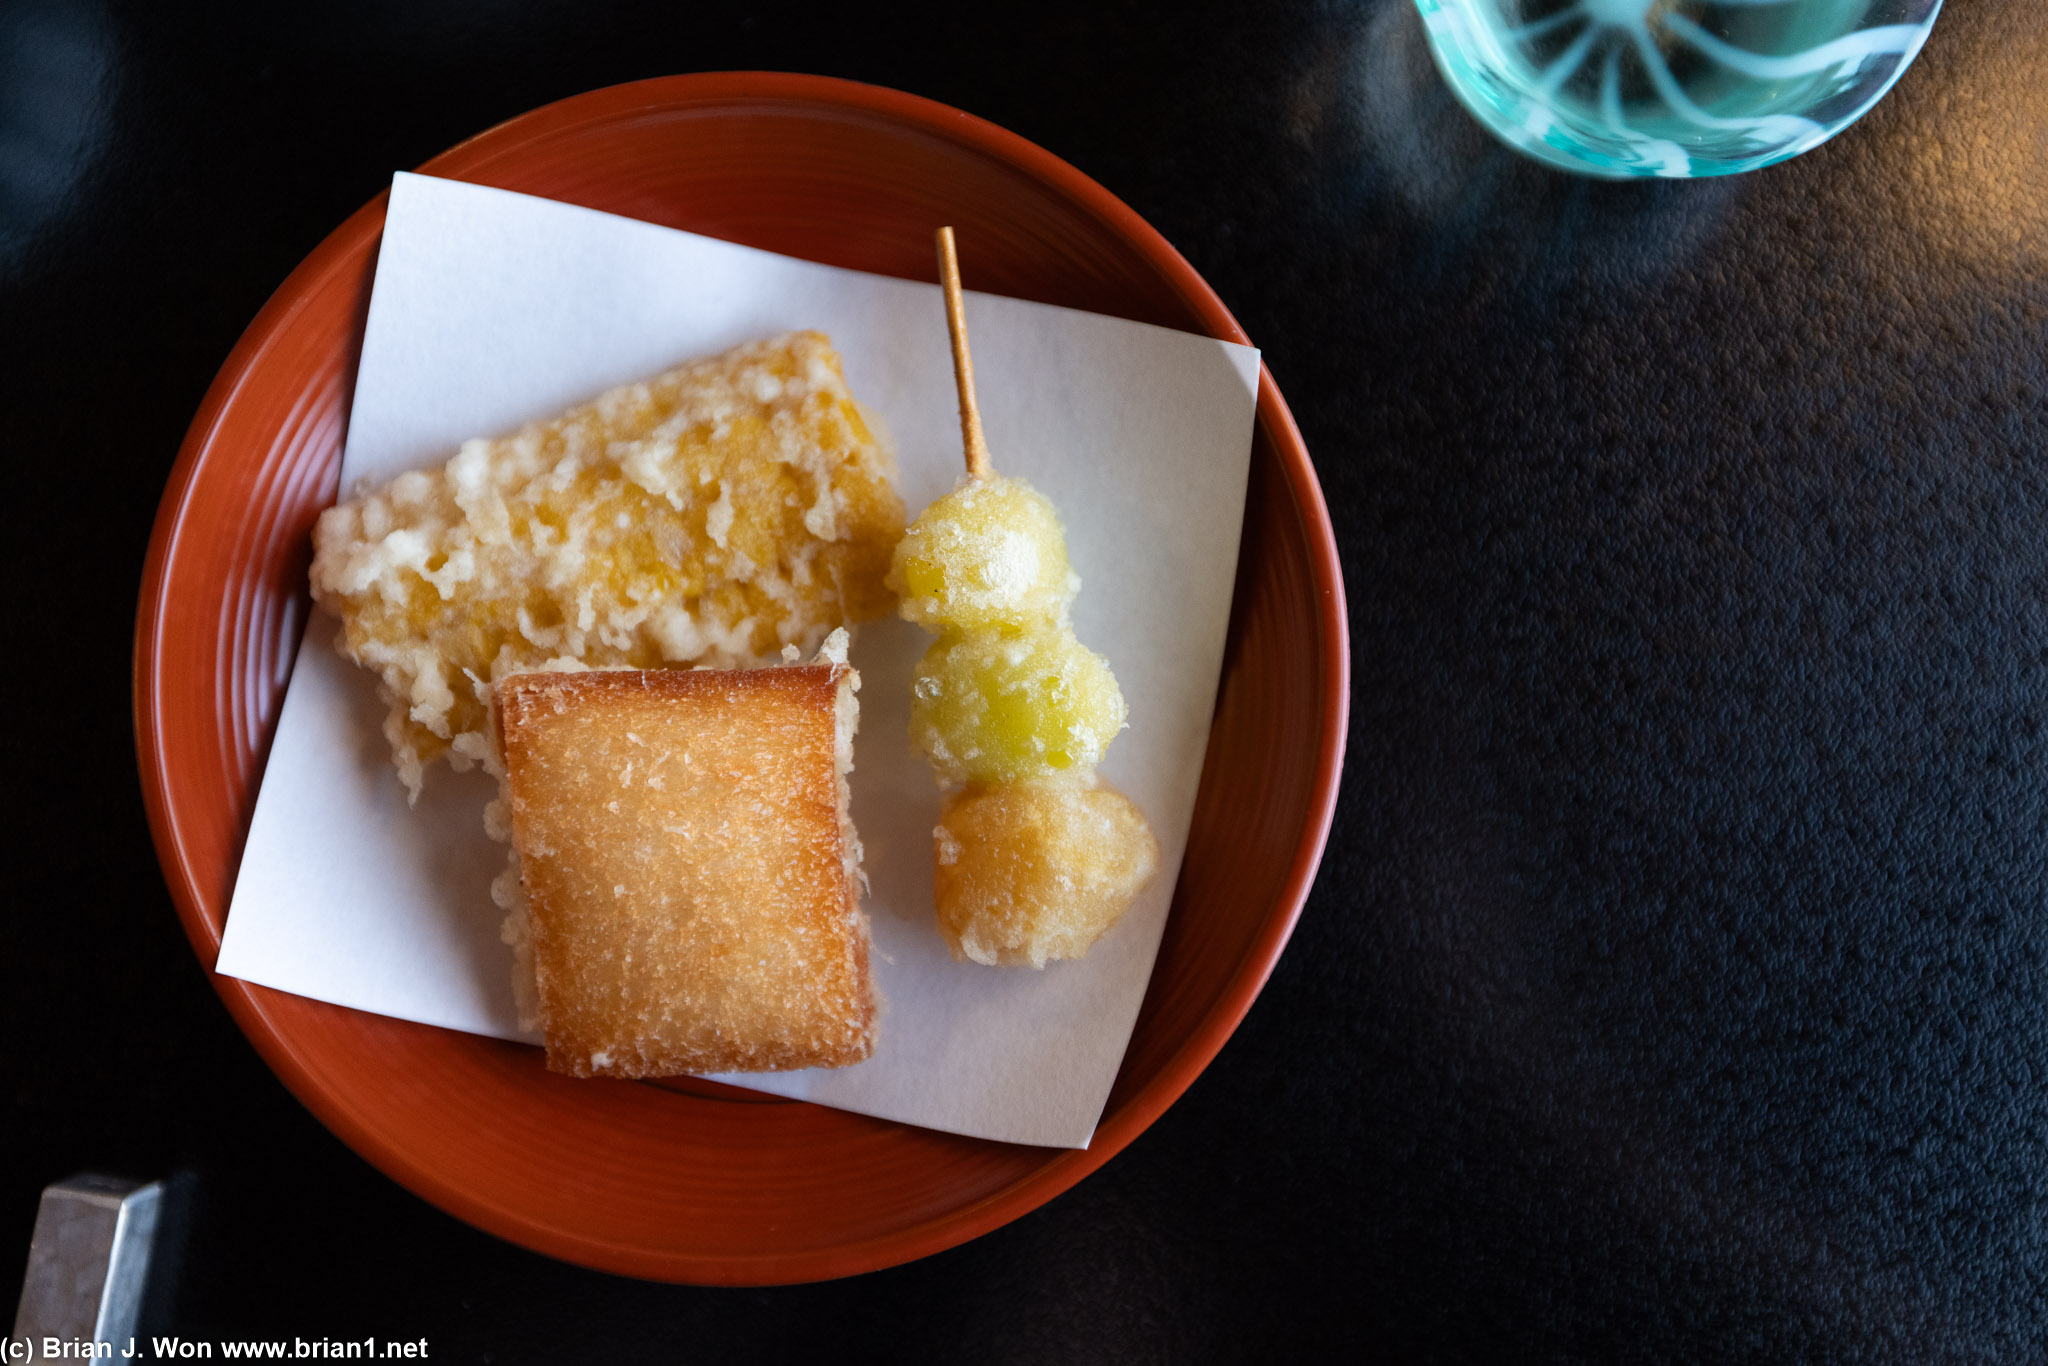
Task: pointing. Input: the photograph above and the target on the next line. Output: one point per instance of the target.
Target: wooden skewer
(978, 464)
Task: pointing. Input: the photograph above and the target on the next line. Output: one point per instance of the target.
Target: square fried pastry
(691, 878)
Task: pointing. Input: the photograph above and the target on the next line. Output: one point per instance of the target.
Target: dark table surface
(1674, 985)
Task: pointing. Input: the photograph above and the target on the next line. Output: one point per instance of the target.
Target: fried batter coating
(708, 516)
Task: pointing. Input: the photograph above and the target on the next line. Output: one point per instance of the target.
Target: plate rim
(1064, 1167)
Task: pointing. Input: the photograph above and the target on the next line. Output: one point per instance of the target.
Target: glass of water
(1623, 88)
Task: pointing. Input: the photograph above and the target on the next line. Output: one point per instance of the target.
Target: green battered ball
(1002, 709)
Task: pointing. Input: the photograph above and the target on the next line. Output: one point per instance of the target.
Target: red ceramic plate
(698, 1183)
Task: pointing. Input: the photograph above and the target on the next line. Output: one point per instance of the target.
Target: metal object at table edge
(88, 1264)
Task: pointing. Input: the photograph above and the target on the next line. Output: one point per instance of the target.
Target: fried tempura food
(1029, 872)
(708, 516)
(690, 876)
(993, 556)
(994, 707)
(1034, 856)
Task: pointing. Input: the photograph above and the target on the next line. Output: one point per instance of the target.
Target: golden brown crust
(683, 852)
(1025, 873)
(709, 515)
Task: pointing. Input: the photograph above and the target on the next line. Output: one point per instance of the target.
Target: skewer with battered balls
(1035, 856)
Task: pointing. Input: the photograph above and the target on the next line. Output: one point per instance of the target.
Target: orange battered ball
(1028, 872)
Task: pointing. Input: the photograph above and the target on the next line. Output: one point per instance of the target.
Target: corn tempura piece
(708, 516)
